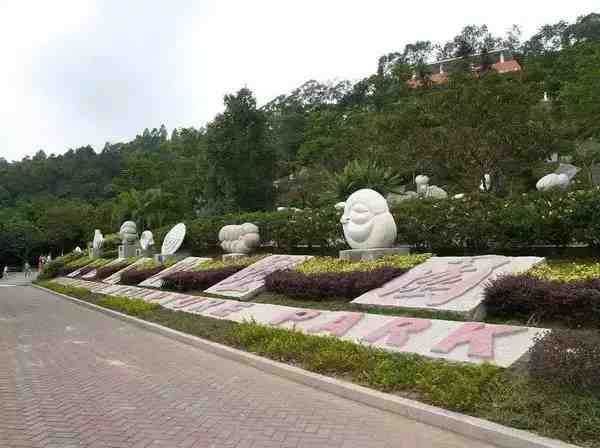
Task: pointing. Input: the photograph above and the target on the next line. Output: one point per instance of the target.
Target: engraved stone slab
(472, 342)
(93, 272)
(173, 239)
(446, 283)
(116, 277)
(250, 281)
(187, 264)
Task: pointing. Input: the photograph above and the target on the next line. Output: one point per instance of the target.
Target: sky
(78, 72)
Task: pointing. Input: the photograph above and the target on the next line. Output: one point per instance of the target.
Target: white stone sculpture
(561, 178)
(459, 196)
(429, 191)
(98, 240)
(78, 250)
(128, 232)
(173, 239)
(367, 221)
(146, 240)
(239, 239)
(486, 183)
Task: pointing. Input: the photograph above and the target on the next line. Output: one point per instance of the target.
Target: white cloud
(85, 71)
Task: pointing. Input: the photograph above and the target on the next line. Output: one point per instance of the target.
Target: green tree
(241, 165)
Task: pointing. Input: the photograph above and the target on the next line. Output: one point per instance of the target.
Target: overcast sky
(78, 72)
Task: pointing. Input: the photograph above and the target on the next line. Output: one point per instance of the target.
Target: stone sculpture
(172, 242)
(429, 191)
(369, 227)
(97, 243)
(128, 232)
(129, 239)
(486, 183)
(78, 250)
(146, 240)
(561, 178)
(239, 239)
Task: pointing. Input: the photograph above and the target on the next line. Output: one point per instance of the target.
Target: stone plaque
(173, 239)
(250, 281)
(187, 264)
(446, 283)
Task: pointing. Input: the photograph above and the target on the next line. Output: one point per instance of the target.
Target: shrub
(567, 357)
(566, 270)
(319, 265)
(348, 285)
(107, 271)
(134, 307)
(198, 280)
(136, 276)
(54, 267)
(575, 303)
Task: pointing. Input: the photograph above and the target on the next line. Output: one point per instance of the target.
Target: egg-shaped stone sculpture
(367, 221)
(239, 239)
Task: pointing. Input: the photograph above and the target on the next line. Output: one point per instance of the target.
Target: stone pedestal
(127, 250)
(96, 253)
(372, 254)
(234, 256)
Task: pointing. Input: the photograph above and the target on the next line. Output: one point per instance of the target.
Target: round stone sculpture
(239, 239)
(173, 239)
(128, 232)
(552, 181)
(78, 250)
(367, 221)
(146, 240)
(98, 240)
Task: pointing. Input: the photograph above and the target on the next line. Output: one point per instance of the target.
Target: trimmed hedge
(348, 285)
(476, 223)
(198, 280)
(136, 276)
(573, 303)
(567, 358)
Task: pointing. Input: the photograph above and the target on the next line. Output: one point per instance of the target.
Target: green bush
(54, 267)
(134, 307)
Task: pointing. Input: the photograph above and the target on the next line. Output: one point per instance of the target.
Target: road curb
(467, 426)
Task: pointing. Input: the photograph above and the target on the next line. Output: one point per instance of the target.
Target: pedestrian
(5, 271)
(27, 270)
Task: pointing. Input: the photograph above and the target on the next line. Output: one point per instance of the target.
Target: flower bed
(135, 276)
(107, 271)
(327, 277)
(198, 280)
(572, 303)
(347, 285)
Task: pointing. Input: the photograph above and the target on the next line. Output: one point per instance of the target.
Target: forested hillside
(308, 147)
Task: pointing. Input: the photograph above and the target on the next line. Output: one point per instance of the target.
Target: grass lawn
(506, 396)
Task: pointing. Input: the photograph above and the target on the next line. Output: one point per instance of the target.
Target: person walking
(27, 270)
(5, 271)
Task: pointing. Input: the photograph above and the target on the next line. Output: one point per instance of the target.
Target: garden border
(465, 425)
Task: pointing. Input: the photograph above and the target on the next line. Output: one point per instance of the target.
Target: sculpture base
(372, 254)
(234, 256)
(127, 250)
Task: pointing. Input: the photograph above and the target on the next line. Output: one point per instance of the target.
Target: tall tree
(240, 162)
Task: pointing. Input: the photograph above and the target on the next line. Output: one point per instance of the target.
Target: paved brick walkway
(72, 377)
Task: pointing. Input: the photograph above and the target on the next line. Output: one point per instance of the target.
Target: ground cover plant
(505, 396)
(564, 293)
(322, 278)
(107, 271)
(53, 268)
(207, 274)
(97, 263)
(141, 272)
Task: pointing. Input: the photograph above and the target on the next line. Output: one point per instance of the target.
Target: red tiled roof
(507, 66)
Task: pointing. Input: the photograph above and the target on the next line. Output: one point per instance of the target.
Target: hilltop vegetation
(305, 148)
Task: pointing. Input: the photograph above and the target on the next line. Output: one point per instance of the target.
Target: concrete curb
(465, 425)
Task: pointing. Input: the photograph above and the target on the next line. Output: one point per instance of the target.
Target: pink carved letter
(479, 336)
(231, 308)
(398, 330)
(339, 326)
(295, 316)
